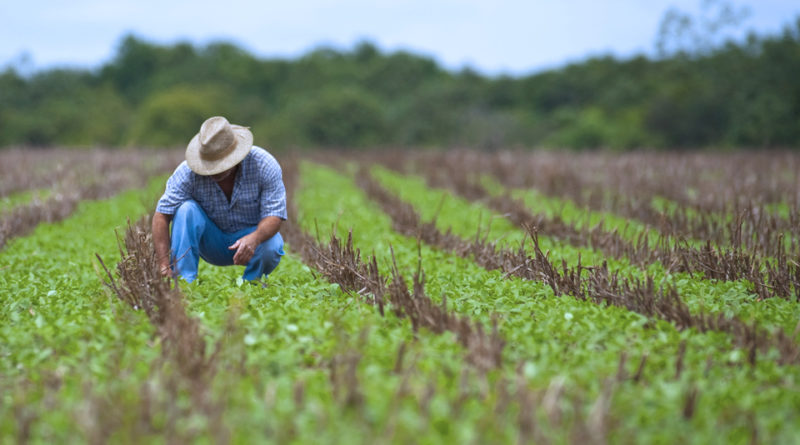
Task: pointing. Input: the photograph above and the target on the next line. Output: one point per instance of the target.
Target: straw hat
(218, 146)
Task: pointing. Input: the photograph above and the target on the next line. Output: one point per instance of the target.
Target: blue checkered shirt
(257, 193)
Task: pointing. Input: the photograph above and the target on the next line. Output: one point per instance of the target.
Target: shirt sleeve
(273, 192)
(178, 191)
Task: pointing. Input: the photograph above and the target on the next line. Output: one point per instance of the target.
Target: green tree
(172, 117)
(341, 117)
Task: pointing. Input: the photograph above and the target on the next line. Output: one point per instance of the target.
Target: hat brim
(203, 167)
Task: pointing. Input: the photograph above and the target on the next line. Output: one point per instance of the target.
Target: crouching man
(226, 202)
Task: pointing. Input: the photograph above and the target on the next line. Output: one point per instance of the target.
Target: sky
(491, 36)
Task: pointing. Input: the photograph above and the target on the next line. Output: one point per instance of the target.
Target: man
(226, 202)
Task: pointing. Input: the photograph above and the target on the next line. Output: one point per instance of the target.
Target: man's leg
(265, 259)
(195, 235)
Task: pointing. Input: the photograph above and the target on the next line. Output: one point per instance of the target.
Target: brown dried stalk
(141, 286)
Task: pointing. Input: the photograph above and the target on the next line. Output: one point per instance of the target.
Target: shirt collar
(240, 175)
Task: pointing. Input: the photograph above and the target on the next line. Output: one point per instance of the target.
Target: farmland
(436, 297)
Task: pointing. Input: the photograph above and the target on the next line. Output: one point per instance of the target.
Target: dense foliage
(738, 94)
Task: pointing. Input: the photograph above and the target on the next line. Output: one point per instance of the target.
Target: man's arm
(161, 241)
(179, 189)
(246, 246)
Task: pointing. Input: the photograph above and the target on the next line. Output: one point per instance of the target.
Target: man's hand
(166, 271)
(245, 247)
(161, 242)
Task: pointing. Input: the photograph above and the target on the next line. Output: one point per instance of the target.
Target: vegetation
(415, 304)
(727, 95)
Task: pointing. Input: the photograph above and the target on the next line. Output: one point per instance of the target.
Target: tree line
(740, 94)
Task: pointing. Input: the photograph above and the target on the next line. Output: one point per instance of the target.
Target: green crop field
(426, 297)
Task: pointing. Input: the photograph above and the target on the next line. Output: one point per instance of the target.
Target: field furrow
(620, 238)
(711, 296)
(90, 175)
(529, 313)
(592, 283)
(713, 200)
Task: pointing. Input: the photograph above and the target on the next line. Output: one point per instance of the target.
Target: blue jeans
(195, 236)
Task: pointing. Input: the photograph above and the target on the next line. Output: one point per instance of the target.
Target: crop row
(460, 216)
(62, 179)
(779, 276)
(62, 342)
(588, 283)
(24, 169)
(745, 200)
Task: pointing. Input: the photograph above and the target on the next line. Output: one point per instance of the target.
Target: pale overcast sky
(500, 36)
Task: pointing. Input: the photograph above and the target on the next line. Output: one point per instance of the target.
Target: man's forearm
(267, 228)
(161, 238)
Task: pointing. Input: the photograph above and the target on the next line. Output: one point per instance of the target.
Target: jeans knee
(277, 254)
(277, 247)
(190, 214)
(188, 208)
(271, 250)
(189, 222)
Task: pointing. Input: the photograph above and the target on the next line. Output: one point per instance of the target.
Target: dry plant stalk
(141, 286)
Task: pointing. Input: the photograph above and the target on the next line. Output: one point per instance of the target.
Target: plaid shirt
(257, 193)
